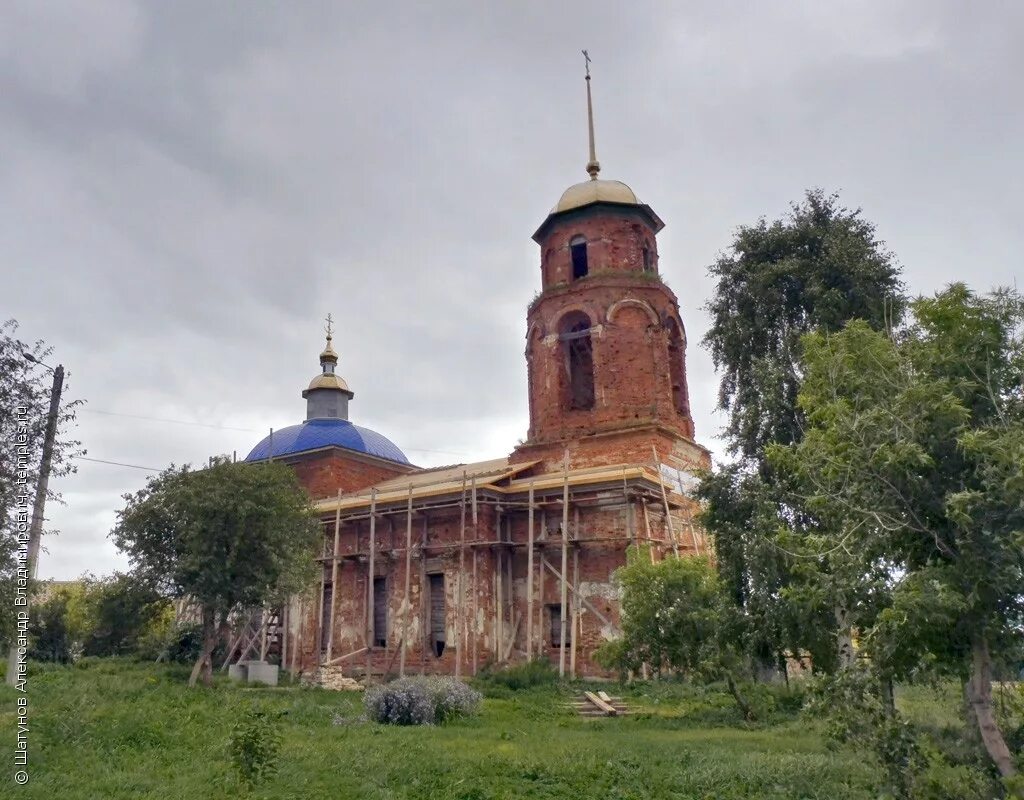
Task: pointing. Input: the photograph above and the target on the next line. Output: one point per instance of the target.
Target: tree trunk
(783, 667)
(979, 694)
(748, 712)
(844, 637)
(211, 633)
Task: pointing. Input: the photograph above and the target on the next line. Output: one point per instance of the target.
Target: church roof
(318, 433)
(496, 476)
(595, 191)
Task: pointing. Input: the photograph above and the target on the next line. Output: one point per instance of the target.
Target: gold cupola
(328, 394)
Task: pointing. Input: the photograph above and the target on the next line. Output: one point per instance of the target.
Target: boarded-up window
(380, 612)
(437, 638)
(325, 617)
(555, 616)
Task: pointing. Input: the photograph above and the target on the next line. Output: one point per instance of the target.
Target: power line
(117, 463)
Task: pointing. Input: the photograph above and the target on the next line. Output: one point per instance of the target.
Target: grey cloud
(189, 188)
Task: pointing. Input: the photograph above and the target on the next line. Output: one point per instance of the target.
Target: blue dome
(316, 433)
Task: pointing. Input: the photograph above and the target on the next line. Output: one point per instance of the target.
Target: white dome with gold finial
(595, 191)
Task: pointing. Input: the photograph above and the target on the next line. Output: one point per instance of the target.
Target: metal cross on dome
(330, 326)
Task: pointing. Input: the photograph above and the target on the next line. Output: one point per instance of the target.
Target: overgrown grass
(495, 682)
(114, 729)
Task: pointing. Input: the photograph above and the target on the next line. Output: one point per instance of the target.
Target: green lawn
(114, 729)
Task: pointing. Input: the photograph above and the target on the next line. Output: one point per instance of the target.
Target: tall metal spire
(593, 166)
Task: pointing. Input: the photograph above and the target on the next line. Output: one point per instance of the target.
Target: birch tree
(812, 270)
(916, 443)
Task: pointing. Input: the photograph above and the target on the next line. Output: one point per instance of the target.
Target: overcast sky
(188, 188)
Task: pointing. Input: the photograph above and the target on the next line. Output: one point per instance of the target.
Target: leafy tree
(675, 617)
(229, 537)
(812, 271)
(915, 763)
(916, 445)
(126, 611)
(816, 269)
(743, 512)
(48, 630)
(23, 384)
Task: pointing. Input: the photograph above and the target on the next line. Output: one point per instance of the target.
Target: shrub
(128, 616)
(48, 631)
(538, 672)
(254, 747)
(941, 781)
(420, 701)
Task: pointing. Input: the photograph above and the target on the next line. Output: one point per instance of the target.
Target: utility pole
(35, 533)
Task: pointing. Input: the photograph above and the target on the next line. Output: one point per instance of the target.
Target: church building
(446, 570)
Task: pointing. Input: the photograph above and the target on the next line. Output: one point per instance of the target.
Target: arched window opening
(579, 361)
(676, 369)
(578, 252)
(648, 264)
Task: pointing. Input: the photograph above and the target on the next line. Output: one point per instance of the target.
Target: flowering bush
(420, 701)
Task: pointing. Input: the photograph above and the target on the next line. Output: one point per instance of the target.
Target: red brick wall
(600, 534)
(324, 473)
(620, 445)
(615, 242)
(629, 310)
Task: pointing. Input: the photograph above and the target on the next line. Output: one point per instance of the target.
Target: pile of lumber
(599, 704)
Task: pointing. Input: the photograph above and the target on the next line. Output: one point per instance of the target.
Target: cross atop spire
(329, 358)
(593, 165)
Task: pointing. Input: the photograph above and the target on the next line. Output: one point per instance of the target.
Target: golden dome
(595, 191)
(328, 354)
(328, 380)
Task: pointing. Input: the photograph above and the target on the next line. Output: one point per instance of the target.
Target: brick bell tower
(605, 344)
